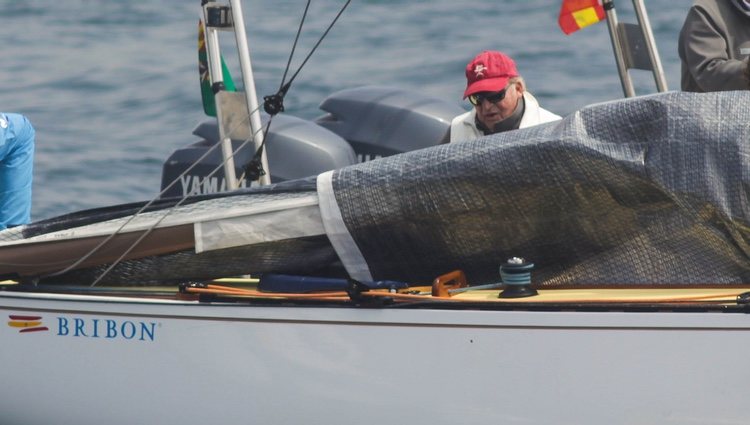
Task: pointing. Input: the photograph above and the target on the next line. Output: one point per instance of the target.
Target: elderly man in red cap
(500, 100)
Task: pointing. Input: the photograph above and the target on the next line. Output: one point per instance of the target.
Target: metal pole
(217, 76)
(627, 83)
(648, 36)
(248, 81)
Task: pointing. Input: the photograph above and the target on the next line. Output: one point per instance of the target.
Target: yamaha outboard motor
(383, 121)
(361, 124)
(295, 148)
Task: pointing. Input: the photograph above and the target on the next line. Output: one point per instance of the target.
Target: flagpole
(627, 83)
(213, 56)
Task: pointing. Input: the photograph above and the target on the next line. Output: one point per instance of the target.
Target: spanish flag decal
(26, 323)
(577, 14)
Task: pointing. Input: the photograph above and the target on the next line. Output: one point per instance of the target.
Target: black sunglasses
(490, 96)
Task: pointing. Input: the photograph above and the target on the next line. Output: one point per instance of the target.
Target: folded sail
(641, 191)
(649, 190)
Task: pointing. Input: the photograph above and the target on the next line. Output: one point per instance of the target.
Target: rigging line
(320, 40)
(160, 219)
(151, 202)
(128, 221)
(257, 156)
(277, 99)
(256, 161)
(294, 45)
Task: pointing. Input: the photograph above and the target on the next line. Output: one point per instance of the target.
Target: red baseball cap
(489, 71)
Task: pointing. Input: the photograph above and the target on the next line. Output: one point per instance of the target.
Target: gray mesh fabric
(644, 191)
(651, 190)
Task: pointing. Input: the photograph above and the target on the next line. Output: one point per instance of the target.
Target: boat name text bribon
(79, 327)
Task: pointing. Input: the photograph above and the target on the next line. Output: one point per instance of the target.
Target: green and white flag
(209, 103)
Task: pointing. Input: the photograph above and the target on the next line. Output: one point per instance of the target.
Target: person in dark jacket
(714, 46)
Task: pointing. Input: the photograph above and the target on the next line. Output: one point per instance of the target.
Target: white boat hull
(127, 361)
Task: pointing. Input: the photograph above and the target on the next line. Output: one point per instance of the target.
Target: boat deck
(245, 290)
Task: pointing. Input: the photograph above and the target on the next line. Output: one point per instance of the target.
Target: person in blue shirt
(16, 167)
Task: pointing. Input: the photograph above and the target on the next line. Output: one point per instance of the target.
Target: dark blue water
(112, 86)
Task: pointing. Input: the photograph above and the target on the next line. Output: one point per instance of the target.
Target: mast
(248, 80)
(220, 17)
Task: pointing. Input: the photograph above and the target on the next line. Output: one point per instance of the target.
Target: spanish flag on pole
(207, 95)
(577, 14)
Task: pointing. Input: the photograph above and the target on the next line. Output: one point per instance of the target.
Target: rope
(142, 209)
(166, 213)
(273, 104)
(677, 299)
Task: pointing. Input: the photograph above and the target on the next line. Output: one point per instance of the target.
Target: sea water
(112, 86)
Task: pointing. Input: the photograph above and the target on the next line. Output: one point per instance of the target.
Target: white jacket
(463, 127)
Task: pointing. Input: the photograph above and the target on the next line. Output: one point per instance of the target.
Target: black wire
(338, 15)
(294, 46)
(254, 166)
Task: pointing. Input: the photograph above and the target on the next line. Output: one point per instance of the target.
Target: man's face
(490, 113)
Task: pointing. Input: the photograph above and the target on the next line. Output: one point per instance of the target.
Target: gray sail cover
(651, 190)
